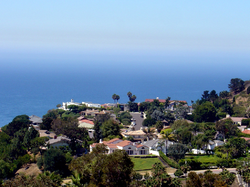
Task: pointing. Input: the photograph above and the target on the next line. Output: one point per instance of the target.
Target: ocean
(35, 84)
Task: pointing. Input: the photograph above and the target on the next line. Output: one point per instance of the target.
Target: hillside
(241, 102)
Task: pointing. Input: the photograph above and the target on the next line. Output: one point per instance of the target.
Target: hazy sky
(128, 25)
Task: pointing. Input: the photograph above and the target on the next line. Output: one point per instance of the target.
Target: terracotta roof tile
(163, 100)
(124, 143)
(87, 121)
(246, 131)
(247, 139)
(113, 140)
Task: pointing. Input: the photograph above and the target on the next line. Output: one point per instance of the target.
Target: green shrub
(169, 161)
(226, 163)
(194, 164)
(178, 173)
(245, 122)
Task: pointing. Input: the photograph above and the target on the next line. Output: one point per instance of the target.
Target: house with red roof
(128, 146)
(172, 103)
(85, 123)
(247, 131)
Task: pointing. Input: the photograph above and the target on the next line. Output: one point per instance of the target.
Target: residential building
(172, 103)
(236, 120)
(90, 104)
(46, 133)
(246, 131)
(85, 123)
(212, 144)
(59, 141)
(128, 146)
(35, 121)
(157, 145)
(66, 104)
(138, 135)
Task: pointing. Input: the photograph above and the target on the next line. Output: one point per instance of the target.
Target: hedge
(169, 161)
(245, 122)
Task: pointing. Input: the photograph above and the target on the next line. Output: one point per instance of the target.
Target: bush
(226, 163)
(169, 161)
(178, 173)
(194, 164)
(245, 121)
(24, 159)
(40, 162)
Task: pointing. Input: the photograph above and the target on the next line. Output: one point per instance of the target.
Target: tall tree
(53, 160)
(177, 151)
(205, 112)
(129, 94)
(114, 97)
(131, 97)
(205, 96)
(213, 96)
(167, 102)
(98, 169)
(117, 98)
(236, 85)
(110, 129)
(18, 123)
(149, 132)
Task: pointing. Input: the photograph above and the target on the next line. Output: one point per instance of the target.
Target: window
(130, 152)
(142, 152)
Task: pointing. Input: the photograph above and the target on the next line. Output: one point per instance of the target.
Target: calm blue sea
(34, 84)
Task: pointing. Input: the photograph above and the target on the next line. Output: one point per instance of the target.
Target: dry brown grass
(32, 170)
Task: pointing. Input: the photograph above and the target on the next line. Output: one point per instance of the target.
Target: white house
(66, 104)
(157, 145)
(90, 104)
(118, 144)
(212, 144)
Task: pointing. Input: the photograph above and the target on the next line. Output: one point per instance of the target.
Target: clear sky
(127, 25)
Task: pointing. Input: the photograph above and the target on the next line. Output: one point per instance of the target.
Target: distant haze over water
(33, 84)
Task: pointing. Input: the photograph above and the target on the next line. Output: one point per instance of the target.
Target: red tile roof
(247, 139)
(151, 100)
(122, 143)
(246, 131)
(87, 121)
(163, 100)
(140, 145)
(111, 141)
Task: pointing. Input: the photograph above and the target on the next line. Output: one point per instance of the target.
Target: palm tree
(117, 98)
(114, 97)
(76, 180)
(168, 136)
(149, 132)
(51, 175)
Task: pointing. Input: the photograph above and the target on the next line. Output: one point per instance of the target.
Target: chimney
(100, 141)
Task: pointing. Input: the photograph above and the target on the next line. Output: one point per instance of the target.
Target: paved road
(216, 171)
(139, 119)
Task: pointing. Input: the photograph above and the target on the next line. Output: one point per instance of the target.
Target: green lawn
(144, 163)
(205, 158)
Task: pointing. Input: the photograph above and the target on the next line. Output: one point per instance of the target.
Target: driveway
(138, 119)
